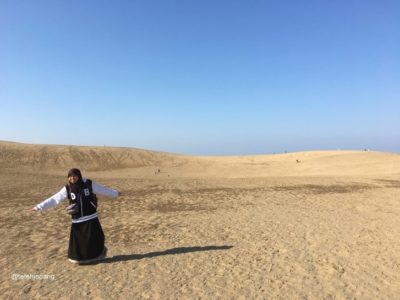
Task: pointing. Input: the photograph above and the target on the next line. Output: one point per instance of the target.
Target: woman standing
(86, 243)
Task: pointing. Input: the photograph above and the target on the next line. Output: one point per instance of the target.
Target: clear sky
(202, 77)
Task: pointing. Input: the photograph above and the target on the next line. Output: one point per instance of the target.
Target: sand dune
(144, 163)
(49, 157)
(309, 225)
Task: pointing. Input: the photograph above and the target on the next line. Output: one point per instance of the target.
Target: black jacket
(85, 199)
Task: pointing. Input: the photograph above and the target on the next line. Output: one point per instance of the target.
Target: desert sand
(309, 225)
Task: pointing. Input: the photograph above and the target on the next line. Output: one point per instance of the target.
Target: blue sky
(202, 77)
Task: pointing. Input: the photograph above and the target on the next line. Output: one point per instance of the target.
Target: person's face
(73, 179)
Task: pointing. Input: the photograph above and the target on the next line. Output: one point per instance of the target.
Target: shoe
(73, 261)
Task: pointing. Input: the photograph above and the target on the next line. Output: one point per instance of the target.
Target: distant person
(86, 243)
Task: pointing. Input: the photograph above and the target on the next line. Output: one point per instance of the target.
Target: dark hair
(76, 172)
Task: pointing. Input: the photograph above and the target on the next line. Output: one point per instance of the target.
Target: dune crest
(141, 162)
(16, 155)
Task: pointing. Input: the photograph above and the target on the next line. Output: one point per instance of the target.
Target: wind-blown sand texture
(255, 227)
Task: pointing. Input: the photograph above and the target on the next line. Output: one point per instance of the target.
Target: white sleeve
(53, 200)
(99, 189)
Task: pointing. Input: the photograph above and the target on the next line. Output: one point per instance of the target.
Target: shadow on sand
(173, 251)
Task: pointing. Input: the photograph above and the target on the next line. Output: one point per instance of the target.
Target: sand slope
(260, 227)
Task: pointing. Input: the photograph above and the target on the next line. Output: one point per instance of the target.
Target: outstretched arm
(102, 190)
(52, 201)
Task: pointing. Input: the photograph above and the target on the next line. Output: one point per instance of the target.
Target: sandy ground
(256, 227)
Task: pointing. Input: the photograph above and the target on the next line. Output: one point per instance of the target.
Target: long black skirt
(86, 240)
